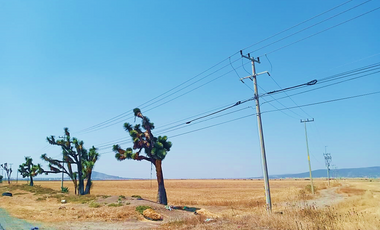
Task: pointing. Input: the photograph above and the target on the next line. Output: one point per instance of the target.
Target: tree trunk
(161, 195)
(89, 184)
(31, 181)
(80, 177)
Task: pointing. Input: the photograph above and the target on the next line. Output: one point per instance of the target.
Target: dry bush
(351, 191)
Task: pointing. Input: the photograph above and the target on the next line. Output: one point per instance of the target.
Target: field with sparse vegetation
(220, 204)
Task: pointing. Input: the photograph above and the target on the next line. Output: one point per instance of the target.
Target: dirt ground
(98, 214)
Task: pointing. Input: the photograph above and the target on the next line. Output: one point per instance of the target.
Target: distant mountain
(95, 176)
(369, 172)
(102, 176)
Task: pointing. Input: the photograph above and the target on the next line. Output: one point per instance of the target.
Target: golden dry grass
(233, 203)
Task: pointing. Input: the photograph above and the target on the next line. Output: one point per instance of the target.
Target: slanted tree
(28, 169)
(155, 149)
(79, 162)
(8, 171)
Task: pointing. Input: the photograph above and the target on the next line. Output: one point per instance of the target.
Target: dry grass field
(225, 204)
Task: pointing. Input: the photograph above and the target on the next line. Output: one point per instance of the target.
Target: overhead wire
(294, 26)
(310, 104)
(319, 32)
(111, 123)
(108, 122)
(269, 111)
(311, 26)
(335, 83)
(323, 102)
(262, 90)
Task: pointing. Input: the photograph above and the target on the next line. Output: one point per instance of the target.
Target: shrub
(94, 205)
(115, 205)
(141, 208)
(65, 189)
(136, 196)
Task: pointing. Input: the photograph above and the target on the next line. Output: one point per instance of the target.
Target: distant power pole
(260, 127)
(10, 166)
(308, 156)
(327, 162)
(63, 163)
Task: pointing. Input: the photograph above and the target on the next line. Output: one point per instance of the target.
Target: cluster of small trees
(78, 162)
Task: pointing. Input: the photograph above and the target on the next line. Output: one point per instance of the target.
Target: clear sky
(77, 64)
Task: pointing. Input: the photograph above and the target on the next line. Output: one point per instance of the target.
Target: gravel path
(8, 222)
(327, 197)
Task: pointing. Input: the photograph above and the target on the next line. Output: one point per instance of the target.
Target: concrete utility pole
(327, 162)
(308, 156)
(63, 160)
(10, 167)
(260, 127)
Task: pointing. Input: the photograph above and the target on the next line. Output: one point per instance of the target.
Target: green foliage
(75, 199)
(65, 189)
(136, 196)
(30, 170)
(121, 197)
(142, 208)
(37, 189)
(115, 205)
(161, 147)
(155, 148)
(136, 111)
(75, 156)
(94, 205)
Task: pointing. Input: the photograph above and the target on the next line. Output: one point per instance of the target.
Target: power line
(297, 25)
(219, 111)
(311, 26)
(306, 91)
(239, 118)
(312, 35)
(113, 122)
(180, 126)
(311, 104)
(323, 102)
(289, 96)
(108, 122)
(105, 124)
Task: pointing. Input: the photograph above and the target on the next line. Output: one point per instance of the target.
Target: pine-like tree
(74, 155)
(155, 149)
(28, 169)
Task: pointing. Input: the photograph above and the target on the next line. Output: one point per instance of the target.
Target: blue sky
(78, 64)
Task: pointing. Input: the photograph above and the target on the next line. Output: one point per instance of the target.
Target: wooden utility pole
(260, 127)
(308, 156)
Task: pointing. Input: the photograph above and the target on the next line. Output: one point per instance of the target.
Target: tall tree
(28, 169)
(76, 158)
(155, 149)
(8, 171)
